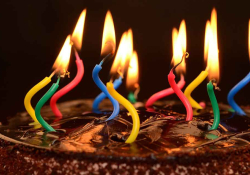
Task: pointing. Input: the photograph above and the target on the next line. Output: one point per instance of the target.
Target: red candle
(179, 93)
(165, 92)
(77, 44)
(68, 87)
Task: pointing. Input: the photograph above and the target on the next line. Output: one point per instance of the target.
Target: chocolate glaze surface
(163, 133)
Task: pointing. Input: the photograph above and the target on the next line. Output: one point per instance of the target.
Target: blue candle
(102, 95)
(99, 83)
(234, 91)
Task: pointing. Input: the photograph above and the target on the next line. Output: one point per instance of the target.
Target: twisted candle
(234, 91)
(196, 82)
(179, 93)
(99, 83)
(216, 110)
(31, 93)
(132, 111)
(42, 101)
(102, 95)
(68, 87)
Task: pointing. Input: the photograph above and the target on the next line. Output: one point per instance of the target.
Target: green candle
(216, 110)
(131, 97)
(42, 101)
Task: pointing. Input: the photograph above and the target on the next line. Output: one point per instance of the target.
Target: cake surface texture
(84, 143)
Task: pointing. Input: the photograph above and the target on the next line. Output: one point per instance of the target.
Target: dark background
(32, 34)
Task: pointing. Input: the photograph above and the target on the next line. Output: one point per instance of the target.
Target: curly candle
(178, 92)
(102, 95)
(216, 110)
(182, 97)
(240, 85)
(31, 93)
(135, 117)
(42, 101)
(99, 83)
(68, 87)
(234, 91)
(196, 82)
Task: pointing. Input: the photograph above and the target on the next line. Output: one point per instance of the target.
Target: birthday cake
(85, 143)
(83, 137)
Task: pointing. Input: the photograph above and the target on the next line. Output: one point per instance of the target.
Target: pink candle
(68, 87)
(164, 93)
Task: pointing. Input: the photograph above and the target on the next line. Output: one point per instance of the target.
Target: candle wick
(119, 71)
(215, 84)
(110, 55)
(137, 90)
(58, 79)
(185, 55)
(52, 74)
(117, 74)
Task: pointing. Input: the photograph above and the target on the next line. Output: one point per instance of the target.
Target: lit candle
(60, 66)
(31, 93)
(240, 85)
(202, 76)
(102, 95)
(121, 62)
(215, 106)
(178, 92)
(121, 51)
(179, 45)
(108, 49)
(133, 78)
(35, 89)
(131, 109)
(42, 101)
(77, 44)
(213, 66)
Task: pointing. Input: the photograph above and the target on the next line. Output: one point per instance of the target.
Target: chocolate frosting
(163, 130)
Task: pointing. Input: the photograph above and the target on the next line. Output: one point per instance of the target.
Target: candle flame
(124, 54)
(78, 31)
(179, 46)
(130, 44)
(62, 60)
(133, 72)
(211, 53)
(108, 39)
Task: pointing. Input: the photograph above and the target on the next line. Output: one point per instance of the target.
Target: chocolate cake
(85, 144)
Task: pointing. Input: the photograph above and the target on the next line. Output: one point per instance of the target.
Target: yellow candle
(131, 110)
(31, 93)
(196, 82)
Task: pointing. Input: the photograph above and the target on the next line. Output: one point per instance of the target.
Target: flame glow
(130, 44)
(133, 72)
(78, 31)
(62, 60)
(124, 53)
(179, 46)
(211, 53)
(108, 38)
